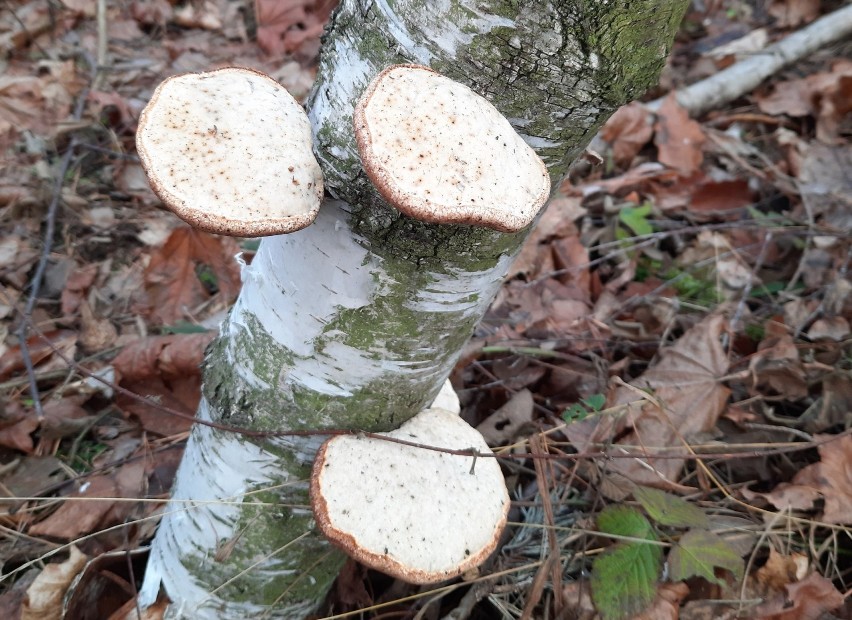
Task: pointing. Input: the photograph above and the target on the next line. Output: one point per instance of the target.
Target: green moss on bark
(271, 533)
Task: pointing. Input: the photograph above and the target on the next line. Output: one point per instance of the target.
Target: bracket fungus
(230, 151)
(441, 153)
(420, 515)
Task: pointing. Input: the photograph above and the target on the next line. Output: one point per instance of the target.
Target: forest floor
(685, 302)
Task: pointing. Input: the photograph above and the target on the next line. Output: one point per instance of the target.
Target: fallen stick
(744, 76)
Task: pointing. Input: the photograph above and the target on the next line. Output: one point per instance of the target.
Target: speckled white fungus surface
(416, 514)
(229, 151)
(447, 399)
(440, 153)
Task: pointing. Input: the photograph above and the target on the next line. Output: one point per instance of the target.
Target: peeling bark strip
(355, 321)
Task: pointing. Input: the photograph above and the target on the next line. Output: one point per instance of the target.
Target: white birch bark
(356, 321)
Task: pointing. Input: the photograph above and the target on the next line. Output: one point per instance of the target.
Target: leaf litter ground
(676, 331)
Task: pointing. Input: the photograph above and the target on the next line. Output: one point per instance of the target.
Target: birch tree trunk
(356, 321)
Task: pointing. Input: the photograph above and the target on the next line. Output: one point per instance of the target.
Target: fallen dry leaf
(791, 13)
(26, 22)
(16, 258)
(635, 178)
(679, 139)
(827, 96)
(781, 570)
(86, 7)
(747, 45)
(685, 383)
(204, 14)
(166, 371)
(556, 222)
(720, 199)
(20, 100)
(832, 407)
(791, 98)
(41, 348)
(169, 357)
(151, 12)
(76, 518)
(76, 287)
(115, 107)
(830, 479)
(787, 496)
(577, 596)
(571, 257)
(95, 334)
(729, 268)
(182, 396)
(628, 131)
(34, 476)
(130, 481)
(19, 436)
(807, 599)
(94, 505)
(13, 598)
(829, 328)
(36, 103)
(130, 610)
(43, 600)
(504, 425)
(16, 426)
(106, 585)
(832, 476)
(777, 369)
(349, 586)
(284, 27)
(173, 287)
(826, 184)
(8, 300)
(667, 602)
(547, 308)
(578, 602)
(517, 372)
(65, 417)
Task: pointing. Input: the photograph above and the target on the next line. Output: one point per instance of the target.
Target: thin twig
(554, 565)
(50, 230)
(35, 284)
(758, 265)
(744, 76)
(103, 42)
(108, 152)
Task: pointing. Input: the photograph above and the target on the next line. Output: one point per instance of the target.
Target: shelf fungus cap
(447, 399)
(440, 153)
(230, 152)
(420, 515)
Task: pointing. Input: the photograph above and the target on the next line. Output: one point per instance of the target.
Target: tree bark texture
(356, 321)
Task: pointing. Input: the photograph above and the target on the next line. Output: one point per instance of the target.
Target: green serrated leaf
(595, 402)
(670, 510)
(624, 578)
(636, 219)
(625, 521)
(575, 413)
(699, 553)
(582, 410)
